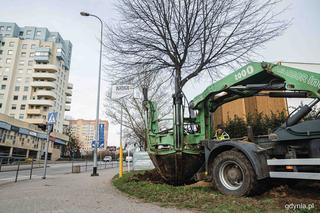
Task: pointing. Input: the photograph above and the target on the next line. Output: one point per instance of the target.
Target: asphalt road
(52, 170)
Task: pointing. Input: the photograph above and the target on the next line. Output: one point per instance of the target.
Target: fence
(87, 165)
(13, 169)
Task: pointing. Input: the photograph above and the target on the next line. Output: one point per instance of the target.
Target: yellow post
(121, 161)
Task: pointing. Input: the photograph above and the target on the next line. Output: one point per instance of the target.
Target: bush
(260, 123)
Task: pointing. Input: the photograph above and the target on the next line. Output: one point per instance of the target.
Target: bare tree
(186, 37)
(180, 39)
(133, 112)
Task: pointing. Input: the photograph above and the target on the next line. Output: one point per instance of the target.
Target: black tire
(233, 174)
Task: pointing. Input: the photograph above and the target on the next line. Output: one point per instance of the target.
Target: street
(71, 193)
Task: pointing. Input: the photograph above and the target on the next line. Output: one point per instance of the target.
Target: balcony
(46, 76)
(42, 54)
(47, 67)
(67, 108)
(68, 100)
(70, 86)
(35, 112)
(36, 121)
(69, 92)
(43, 84)
(46, 93)
(42, 102)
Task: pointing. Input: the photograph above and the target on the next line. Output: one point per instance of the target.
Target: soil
(301, 192)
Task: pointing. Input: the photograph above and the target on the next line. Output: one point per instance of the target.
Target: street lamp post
(94, 172)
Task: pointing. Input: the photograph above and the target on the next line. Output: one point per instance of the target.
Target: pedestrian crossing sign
(52, 117)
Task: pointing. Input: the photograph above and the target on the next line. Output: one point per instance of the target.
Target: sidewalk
(72, 193)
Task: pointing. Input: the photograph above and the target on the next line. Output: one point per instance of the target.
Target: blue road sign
(52, 117)
(101, 135)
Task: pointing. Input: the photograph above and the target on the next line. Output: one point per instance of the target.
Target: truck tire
(233, 174)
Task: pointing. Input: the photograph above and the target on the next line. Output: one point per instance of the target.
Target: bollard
(86, 164)
(105, 165)
(17, 172)
(31, 168)
(1, 164)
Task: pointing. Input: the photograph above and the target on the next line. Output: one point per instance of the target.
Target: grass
(200, 198)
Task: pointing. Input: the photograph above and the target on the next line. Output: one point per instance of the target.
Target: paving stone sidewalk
(72, 193)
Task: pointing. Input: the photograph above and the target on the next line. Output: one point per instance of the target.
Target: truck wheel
(233, 174)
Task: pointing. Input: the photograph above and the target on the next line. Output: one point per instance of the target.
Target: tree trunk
(177, 101)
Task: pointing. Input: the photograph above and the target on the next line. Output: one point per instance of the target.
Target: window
(21, 116)
(1, 51)
(17, 88)
(33, 46)
(28, 32)
(3, 87)
(8, 61)
(23, 54)
(1, 28)
(10, 52)
(19, 80)
(25, 89)
(24, 46)
(9, 28)
(30, 63)
(31, 54)
(20, 71)
(5, 77)
(29, 71)
(24, 97)
(11, 44)
(21, 62)
(27, 80)
(23, 107)
(38, 33)
(14, 106)
(0, 105)
(15, 97)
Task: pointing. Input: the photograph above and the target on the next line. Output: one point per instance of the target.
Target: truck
(238, 166)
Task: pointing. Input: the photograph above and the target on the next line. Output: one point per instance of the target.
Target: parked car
(129, 159)
(107, 159)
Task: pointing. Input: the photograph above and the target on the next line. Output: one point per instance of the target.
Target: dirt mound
(304, 192)
(150, 176)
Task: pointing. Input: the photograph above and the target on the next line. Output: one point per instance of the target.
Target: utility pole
(94, 172)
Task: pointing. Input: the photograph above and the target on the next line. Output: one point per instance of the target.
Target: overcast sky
(301, 42)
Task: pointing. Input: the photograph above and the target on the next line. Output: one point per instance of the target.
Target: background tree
(179, 39)
(133, 120)
(73, 145)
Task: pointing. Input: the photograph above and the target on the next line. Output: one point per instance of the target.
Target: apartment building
(34, 74)
(85, 131)
(25, 140)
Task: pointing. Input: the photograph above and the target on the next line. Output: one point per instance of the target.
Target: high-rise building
(85, 132)
(34, 74)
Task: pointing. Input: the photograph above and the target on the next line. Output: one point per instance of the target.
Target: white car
(128, 159)
(107, 159)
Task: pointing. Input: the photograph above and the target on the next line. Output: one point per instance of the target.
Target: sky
(300, 43)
